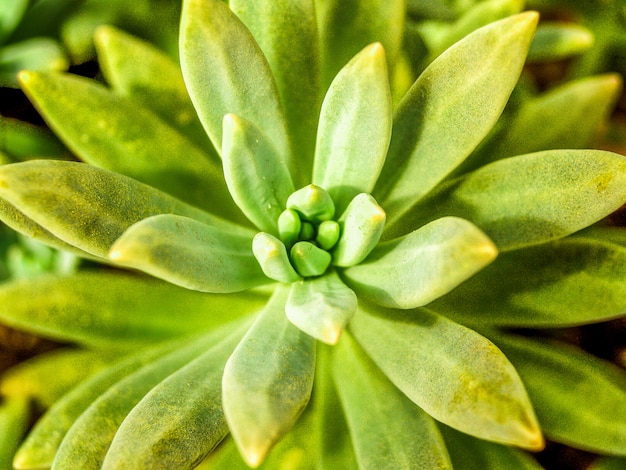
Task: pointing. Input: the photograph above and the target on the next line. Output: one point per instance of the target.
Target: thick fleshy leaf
(335, 444)
(14, 421)
(190, 254)
(267, 381)
(457, 376)
(103, 417)
(86, 206)
(387, 429)
(469, 453)
(40, 446)
(92, 308)
(226, 72)
(568, 282)
(256, 175)
(38, 53)
(175, 425)
(580, 400)
(10, 15)
(45, 378)
(417, 268)
(321, 306)
(608, 463)
(347, 26)
(112, 132)
(530, 199)
(355, 128)
(565, 117)
(559, 40)
(451, 108)
(130, 66)
(24, 141)
(286, 31)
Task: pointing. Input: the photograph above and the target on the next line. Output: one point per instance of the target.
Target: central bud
(310, 240)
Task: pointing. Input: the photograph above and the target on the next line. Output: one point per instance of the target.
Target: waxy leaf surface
(226, 72)
(86, 206)
(120, 136)
(387, 429)
(189, 254)
(454, 374)
(14, 418)
(568, 282)
(92, 308)
(256, 175)
(531, 199)
(451, 108)
(580, 400)
(413, 270)
(267, 381)
(355, 128)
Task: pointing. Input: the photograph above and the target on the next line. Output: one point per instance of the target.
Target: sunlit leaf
(267, 381)
(226, 72)
(286, 31)
(454, 374)
(321, 307)
(102, 418)
(451, 108)
(580, 400)
(387, 429)
(118, 135)
(92, 308)
(85, 206)
(175, 425)
(567, 282)
(559, 40)
(189, 254)
(14, 420)
(257, 176)
(354, 128)
(530, 199)
(413, 270)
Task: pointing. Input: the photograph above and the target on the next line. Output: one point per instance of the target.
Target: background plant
(572, 275)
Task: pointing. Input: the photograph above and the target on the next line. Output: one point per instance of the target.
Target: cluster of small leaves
(181, 172)
(52, 34)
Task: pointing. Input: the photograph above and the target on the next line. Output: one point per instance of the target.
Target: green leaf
(568, 116)
(267, 381)
(559, 40)
(531, 199)
(335, 444)
(451, 108)
(40, 446)
(580, 400)
(355, 128)
(321, 306)
(115, 309)
(115, 133)
(286, 31)
(175, 425)
(417, 268)
(469, 453)
(10, 15)
(14, 420)
(608, 463)
(131, 66)
(45, 378)
(25, 141)
(451, 372)
(39, 53)
(86, 206)
(226, 72)
(568, 282)
(256, 175)
(103, 417)
(387, 429)
(347, 26)
(190, 254)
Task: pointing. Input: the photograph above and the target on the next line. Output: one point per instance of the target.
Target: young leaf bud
(271, 254)
(309, 260)
(313, 203)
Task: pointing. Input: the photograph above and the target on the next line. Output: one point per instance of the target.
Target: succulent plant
(286, 246)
